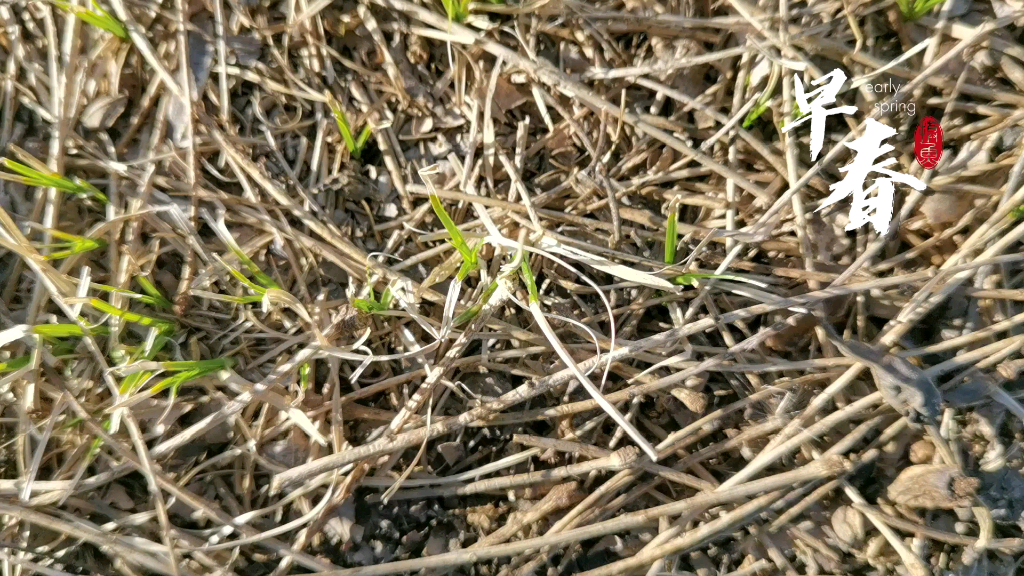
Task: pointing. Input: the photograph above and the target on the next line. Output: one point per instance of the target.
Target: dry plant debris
(505, 288)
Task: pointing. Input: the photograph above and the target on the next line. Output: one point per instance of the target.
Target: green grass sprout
(150, 299)
(914, 9)
(371, 305)
(35, 173)
(1017, 213)
(530, 280)
(764, 100)
(141, 319)
(671, 238)
(74, 245)
(756, 113)
(155, 298)
(457, 10)
(470, 261)
(59, 331)
(304, 376)
(475, 309)
(135, 380)
(100, 18)
(15, 364)
(187, 371)
(355, 145)
(265, 282)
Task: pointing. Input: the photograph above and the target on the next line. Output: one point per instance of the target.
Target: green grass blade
(248, 283)
(366, 306)
(457, 239)
(67, 331)
(100, 19)
(756, 113)
(456, 10)
(387, 298)
(147, 299)
(364, 137)
(32, 177)
(921, 7)
(449, 8)
(78, 246)
(155, 297)
(304, 376)
(371, 305)
(475, 309)
(189, 371)
(215, 364)
(135, 380)
(15, 364)
(671, 238)
(346, 131)
(531, 281)
(265, 281)
(131, 316)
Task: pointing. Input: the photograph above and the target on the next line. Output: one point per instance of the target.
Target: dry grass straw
(502, 288)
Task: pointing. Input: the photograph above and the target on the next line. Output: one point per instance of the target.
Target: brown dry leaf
(933, 486)
(507, 96)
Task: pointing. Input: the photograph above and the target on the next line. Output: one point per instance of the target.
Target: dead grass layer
(410, 286)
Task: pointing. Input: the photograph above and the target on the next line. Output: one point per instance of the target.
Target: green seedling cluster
(470, 260)
(186, 371)
(371, 305)
(355, 145)
(133, 317)
(260, 286)
(182, 371)
(58, 336)
(475, 309)
(457, 10)
(99, 18)
(914, 9)
(37, 174)
(763, 100)
(72, 245)
(152, 296)
(1017, 213)
(135, 380)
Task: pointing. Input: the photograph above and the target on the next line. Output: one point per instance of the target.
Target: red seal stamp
(928, 143)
